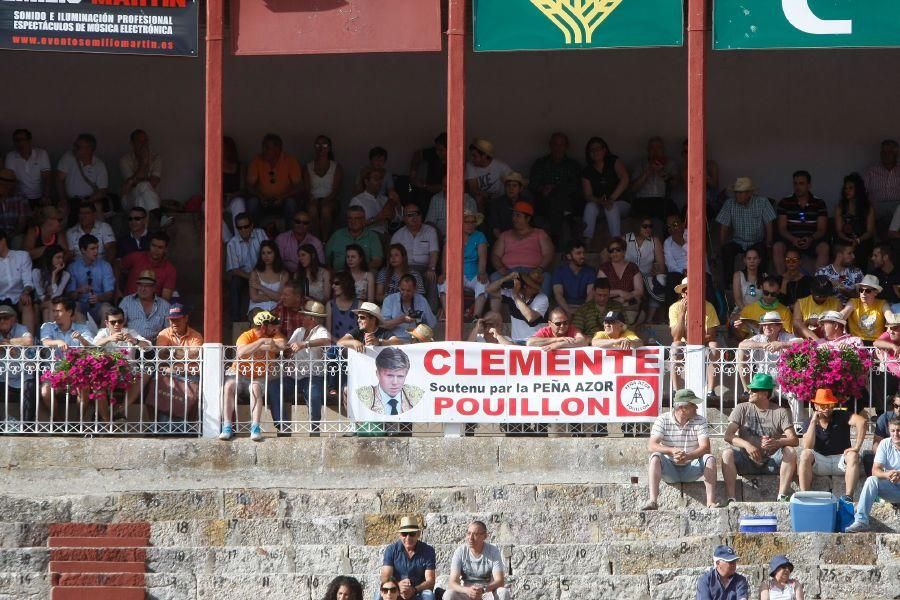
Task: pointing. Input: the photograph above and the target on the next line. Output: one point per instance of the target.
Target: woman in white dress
(324, 176)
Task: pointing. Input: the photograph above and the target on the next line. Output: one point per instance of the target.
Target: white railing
(185, 391)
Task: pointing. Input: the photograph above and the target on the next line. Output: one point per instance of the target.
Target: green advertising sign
(805, 23)
(576, 24)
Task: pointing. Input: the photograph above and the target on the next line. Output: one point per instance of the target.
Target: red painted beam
(456, 149)
(212, 269)
(696, 183)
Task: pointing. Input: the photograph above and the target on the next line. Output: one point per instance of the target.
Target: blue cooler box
(813, 511)
(758, 524)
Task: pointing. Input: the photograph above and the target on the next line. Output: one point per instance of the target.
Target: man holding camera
(405, 309)
(527, 303)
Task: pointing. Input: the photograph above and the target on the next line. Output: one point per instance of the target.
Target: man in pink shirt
(291, 240)
(155, 260)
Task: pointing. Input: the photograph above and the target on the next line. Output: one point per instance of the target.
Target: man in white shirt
(241, 254)
(379, 209)
(32, 168)
(16, 284)
(87, 224)
(527, 304)
(82, 176)
(142, 172)
(422, 247)
(304, 384)
(484, 173)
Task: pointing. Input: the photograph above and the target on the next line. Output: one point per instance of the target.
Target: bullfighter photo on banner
(468, 382)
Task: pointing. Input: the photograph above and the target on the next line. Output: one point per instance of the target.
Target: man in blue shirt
(92, 283)
(61, 334)
(885, 480)
(723, 582)
(405, 309)
(573, 281)
(411, 561)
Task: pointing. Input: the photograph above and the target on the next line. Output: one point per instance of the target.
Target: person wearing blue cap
(722, 581)
(780, 586)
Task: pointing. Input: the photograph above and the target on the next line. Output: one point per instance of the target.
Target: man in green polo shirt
(354, 233)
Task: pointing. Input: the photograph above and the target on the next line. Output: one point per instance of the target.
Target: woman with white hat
(867, 314)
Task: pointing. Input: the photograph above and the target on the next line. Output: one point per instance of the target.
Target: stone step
(122, 508)
(98, 593)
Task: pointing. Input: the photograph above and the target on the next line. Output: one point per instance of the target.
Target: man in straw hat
(746, 222)
(304, 381)
(680, 449)
(391, 396)
(484, 173)
(146, 311)
(257, 350)
(827, 448)
(762, 439)
(820, 299)
(410, 561)
(766, 346)
(421, 334)
(477, 569)
(834, 331)
(867, 313)
(500, 209)
(722, 581)
(369, 331)
(527, 304)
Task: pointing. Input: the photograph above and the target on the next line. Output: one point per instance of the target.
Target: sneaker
(227, 432)
(652, 505)
(711, 397)
(858, 527)
(783, 498)
(727, 502)
(256, 432)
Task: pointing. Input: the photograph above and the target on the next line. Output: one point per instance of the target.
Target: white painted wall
(770, 112)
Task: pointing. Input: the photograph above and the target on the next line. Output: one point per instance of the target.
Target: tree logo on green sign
(577, 19)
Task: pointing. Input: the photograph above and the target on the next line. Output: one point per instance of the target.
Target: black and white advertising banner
(167, 27)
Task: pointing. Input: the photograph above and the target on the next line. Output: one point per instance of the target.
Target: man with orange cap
(827, 449)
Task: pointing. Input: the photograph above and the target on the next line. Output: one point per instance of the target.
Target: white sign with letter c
(801, 16)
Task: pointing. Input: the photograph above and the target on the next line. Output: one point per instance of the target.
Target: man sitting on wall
(477, 568)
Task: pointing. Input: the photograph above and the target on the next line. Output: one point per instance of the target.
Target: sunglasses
(247, 226)
(615, 249)
(646, 225)
(769, 294)
(560, 323)
(792, 260)
(409, 533)
(363, 317)
(390, 590)
(866, 291)
(413, 214)
(301, 222)
(116, 322)
(135, 218)
(673, 225)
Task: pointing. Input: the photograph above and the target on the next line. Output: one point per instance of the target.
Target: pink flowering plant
(92, 371)
(807, 366)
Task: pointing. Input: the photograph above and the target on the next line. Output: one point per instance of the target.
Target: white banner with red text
(466, 382)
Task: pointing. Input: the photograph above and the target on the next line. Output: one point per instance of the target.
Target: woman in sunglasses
(867, 314)
(390, 589)
(626, 283)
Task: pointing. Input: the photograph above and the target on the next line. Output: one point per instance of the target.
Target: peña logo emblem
(577, 19)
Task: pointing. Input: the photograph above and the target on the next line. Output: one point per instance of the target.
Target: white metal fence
(186, 391)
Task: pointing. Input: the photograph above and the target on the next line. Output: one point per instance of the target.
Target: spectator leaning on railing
(116, 337)
(615, 333)
(61, 334)
(558, 333)
(369, 331)
(145, 310)
(17, 383)
(178, 383)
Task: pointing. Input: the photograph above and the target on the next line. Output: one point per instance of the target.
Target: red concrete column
(212, 271)
(456, 147)
(696, 172)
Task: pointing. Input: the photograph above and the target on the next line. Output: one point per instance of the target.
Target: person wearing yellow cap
(257, 349)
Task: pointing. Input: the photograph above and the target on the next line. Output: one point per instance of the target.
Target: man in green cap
(762, 439)
(680, 450)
